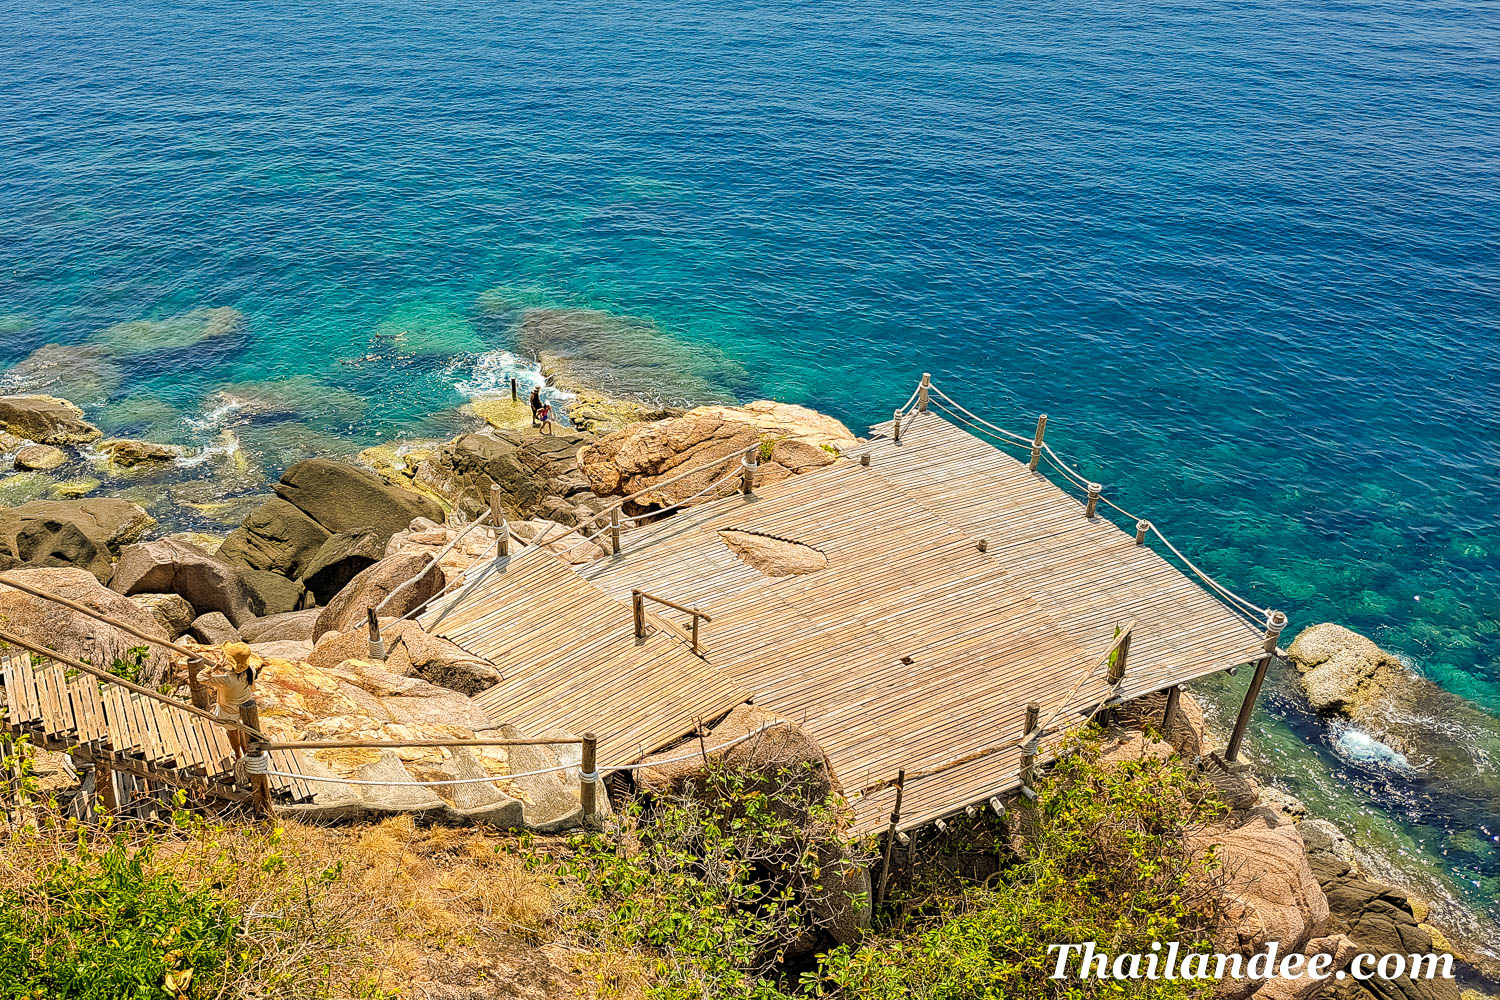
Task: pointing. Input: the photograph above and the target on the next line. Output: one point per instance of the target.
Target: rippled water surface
(1246, 255)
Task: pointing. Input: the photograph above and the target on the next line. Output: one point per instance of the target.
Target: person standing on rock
(233, 687)
(536, 405)
(544, 418)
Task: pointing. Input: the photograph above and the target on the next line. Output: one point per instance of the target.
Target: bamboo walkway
(960, 586)
(64, 710)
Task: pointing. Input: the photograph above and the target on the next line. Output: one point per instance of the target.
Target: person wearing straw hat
(233, 687)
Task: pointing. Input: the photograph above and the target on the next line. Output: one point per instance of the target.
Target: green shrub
(1105, 857)
(99, 925)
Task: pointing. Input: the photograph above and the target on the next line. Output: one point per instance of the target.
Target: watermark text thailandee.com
(1169, 961)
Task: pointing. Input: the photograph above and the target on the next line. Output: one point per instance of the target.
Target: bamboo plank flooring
(911, 649)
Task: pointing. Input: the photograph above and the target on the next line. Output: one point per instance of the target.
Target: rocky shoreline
(296, 572)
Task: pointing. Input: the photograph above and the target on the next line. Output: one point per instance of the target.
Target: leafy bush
(101, 926)
(713, 886)
(1103, 856)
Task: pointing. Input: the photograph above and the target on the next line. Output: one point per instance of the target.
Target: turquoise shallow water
(1246, 255)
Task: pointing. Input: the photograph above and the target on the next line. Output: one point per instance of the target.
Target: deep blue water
(1246, 255)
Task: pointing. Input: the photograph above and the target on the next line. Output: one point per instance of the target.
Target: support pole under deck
(1275, 622)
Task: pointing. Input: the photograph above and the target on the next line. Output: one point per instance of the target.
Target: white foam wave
(488, 375)
(213, 419)
(226, 446)
(1360, 747)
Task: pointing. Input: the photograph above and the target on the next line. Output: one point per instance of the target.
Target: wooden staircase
(109, 728)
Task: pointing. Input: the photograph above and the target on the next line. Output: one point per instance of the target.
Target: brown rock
(1272, 892)
(87, 533)
(774, 556)
(349, 499)
(131, 452)
(213, 629)
(73, 633)
(1342, 671)
(274, 593)
(567, 543)
(291, 626)
(174, 613)
(537, 473)
(785, 421)
(277, 537)
(410, 652)
(45, 420)
(169, 567)
(40, 457)
(408, 575)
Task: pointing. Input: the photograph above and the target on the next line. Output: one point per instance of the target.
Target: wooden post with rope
(502, 529)
(748, 465)
(1275, 622)
(890, 836)
(376, 643)
(638, 612)
(1092, 507)
(1036, 442)
(896, 427)
(260, 784)
(1141, 527)
(614, 530)
(923, 392)
(588, 779)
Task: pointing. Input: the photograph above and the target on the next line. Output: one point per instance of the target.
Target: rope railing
(1235, 602)
(483, 517)
(635, 766)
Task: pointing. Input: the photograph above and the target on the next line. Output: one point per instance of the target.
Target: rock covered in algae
(174, 332)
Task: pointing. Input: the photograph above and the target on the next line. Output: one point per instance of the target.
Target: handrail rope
(483, 516)
(1237, 603)
(912, 398)
(958, 418)
(1042, 727)
(487, 565)
(974, 416)
(531, 774)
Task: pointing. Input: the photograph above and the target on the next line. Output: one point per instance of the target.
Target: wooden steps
(66, 710)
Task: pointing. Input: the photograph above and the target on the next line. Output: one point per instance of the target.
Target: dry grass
(378, 910)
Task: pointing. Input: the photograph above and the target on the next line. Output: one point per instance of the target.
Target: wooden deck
(571, 660)
(910, 649)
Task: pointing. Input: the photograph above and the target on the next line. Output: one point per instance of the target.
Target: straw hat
(241, 657)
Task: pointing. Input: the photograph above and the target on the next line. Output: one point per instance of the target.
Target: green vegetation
(725, 890)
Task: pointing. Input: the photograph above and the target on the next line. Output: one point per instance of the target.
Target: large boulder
(411, 652)
(339, 560)
(171, 567)
(410, 573)
(793, 439)
(87, 533)
(1380, 920)
(86, 372)
(274, 593)
(347, 498)
(276, 537)
(74, 633)
(1271, 891)
(290, 626)
(40, 457)
(46, 420)
(537, 473)
(1342, 671)
(174, 613)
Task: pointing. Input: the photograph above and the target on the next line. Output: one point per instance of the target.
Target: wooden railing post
(197, 693)
(1117, 662)
(696, 619)
(896, 427)
(588, 779)
(923, 392)
(1275, 622)
(1033, 716)
(638, 611)
(890, 836)
(614, 530)
(256, 760)
(1141, 527)
(515, 392)
(1036, 442)
(748, 465)
(497, 519)
(376, 643)
(1092, 507)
